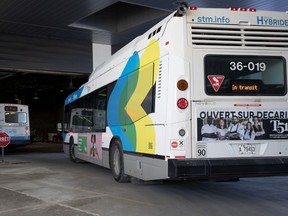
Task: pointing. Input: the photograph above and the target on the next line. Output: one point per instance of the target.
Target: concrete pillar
(100, 53)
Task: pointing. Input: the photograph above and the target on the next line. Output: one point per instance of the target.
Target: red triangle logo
(216, 81)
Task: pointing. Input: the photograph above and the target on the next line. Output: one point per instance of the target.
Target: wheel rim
(116, 161)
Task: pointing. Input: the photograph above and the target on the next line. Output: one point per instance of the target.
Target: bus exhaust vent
(159, 83)
(243, 36)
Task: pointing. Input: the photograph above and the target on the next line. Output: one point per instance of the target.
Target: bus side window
(100, 111)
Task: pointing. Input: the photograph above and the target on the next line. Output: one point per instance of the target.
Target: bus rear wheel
(117, 163)
(72, 155)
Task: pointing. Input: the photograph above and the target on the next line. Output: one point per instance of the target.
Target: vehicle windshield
(15, 117)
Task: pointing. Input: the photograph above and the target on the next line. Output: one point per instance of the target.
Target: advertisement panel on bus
(250, 125)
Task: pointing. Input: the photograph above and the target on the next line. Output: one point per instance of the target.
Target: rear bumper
(19, 142)
(227, 168)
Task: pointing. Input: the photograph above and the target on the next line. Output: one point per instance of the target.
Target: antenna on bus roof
(182, 8)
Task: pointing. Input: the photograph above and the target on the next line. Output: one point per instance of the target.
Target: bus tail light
(182, 85)
(192, 8)
(26, 131)
(182, 103)
(243, 9)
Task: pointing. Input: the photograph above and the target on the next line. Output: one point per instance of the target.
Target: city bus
(201, 95)
(14, 120)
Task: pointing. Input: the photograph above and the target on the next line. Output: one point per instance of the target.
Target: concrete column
(100, 53)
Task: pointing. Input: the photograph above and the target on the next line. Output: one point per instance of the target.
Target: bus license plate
(247, 149)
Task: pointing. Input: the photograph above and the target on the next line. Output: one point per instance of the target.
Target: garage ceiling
(100, 21)
(77, 22)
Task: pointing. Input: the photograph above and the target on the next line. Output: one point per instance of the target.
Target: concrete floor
(38, 180)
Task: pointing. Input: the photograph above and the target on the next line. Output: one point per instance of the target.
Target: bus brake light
(243, 9)
(182, 103)
(192, 8)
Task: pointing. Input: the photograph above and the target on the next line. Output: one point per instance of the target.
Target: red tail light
(182, 103)
(243, 9)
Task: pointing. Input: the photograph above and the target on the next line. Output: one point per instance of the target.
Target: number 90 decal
(201, 151)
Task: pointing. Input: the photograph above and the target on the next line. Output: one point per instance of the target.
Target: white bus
(14, 120)
(202, 94)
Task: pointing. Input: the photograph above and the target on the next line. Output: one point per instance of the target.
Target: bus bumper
(227, 168)
(14, 143)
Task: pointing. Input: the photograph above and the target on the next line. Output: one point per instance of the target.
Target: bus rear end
(239, 110)
(14, 120)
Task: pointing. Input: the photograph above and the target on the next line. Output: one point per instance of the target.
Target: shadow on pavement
(36, 147)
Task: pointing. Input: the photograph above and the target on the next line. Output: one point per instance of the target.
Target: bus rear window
(245, 75)
(15, 117)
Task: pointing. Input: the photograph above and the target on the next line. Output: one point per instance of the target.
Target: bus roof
(10, 104)
(229, 16)
(236, 16)
(136, 45)
(211, 16)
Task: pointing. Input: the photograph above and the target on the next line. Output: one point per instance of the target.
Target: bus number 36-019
(251, 66)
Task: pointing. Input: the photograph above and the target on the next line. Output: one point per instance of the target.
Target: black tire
(72, 156)
(117, 163)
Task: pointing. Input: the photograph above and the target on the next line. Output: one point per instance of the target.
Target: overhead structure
(47, 43)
